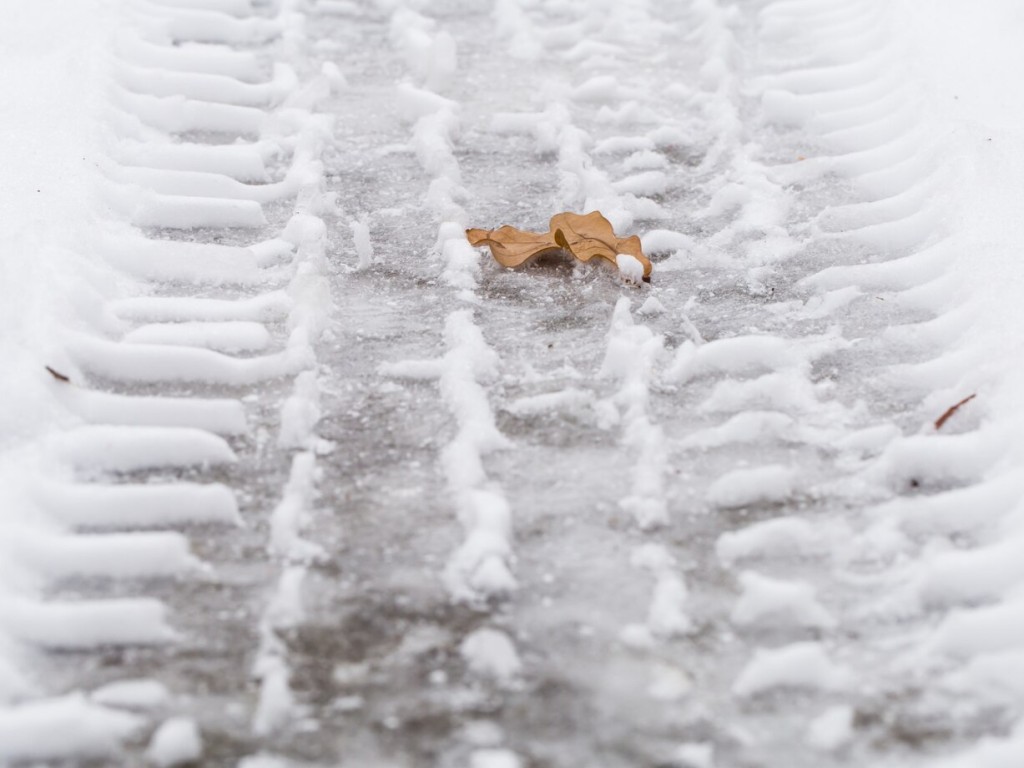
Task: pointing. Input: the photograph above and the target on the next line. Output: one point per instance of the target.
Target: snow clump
(630, 267)
(175, 742)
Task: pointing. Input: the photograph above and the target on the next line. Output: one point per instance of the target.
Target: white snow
(132, 694)
(494, 758)
(832, 729)
(766, 599)
(143, 506)
(571, 401)
(263, 760)
(695, 755)
(746, 427)
(906, 112)
(777, 536)
(175, 742)
(362, 242)
(770, 484)
(490, 653)
(669, 683)
(237, 336)
(65, 728)
(630, 267)
(799, 665)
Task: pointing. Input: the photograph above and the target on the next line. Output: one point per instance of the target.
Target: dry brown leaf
(592, 236)
(512, 247)
(585, 236)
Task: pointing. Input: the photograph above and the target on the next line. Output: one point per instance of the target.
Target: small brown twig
(951, 410)
(57, 374)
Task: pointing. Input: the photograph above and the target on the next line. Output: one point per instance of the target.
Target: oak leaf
(513, 247)
(584, 236)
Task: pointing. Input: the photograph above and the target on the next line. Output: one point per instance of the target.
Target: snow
(481, 565)
(64, 728)
(832, 729)
(770, 538)
(630, 267)
(494, 758)
(132, 694)
(695, 755)
(262, 760)
(758, 485)
(363, 244)
(175, 742)
(766, 599)
(289, 516)
(651, 307)
(666, 615)
(88, 624)
(669, 684)
(150, 506)
(830, 193)
(799, 665)
(490, 653)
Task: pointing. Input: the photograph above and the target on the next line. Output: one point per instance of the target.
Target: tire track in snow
(480, 570)
(834, 79)
(127, 440)
(743, 399)
(774, 381)
(946, 572)
(562, 481)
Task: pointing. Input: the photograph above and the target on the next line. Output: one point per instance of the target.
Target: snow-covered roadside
(52, 105)
(968, 58)
(105, 141)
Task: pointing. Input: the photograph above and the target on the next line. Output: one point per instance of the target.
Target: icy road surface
(312, 482)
